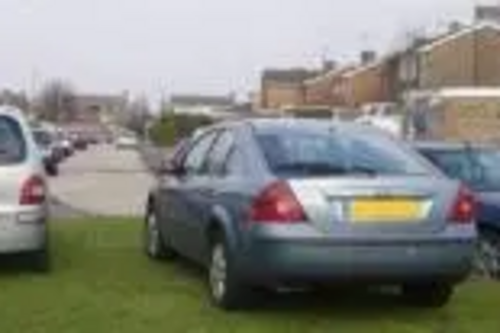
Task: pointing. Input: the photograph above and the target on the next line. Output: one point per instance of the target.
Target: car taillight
(464, 208)
(277, 204)
(33, 191)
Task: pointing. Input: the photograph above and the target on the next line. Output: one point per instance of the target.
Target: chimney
(455, 26)
(487, 13)
(329, 65)
(368, 57)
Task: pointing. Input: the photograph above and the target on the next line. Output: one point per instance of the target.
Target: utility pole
(34, 82)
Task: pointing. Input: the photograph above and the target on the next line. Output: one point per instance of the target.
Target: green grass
(101, 282)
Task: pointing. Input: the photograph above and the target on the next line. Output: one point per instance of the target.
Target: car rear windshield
(329, 153)
(12, 142)
(478, 167)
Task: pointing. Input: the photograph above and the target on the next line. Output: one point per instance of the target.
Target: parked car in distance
(64, 143)
(48, 150)
(79, 141)
(23, 192)
(287, 203)
(126, 141)
(478, 166)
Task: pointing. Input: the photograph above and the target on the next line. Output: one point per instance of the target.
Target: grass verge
(102, 282)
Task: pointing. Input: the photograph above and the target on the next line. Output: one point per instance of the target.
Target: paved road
(154, 157)
(102, 181)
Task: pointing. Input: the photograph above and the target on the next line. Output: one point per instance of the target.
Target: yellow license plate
(385, 210)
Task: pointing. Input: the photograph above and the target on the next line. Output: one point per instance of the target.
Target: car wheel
(52, 170)
(428, 295)
(487, 261)
(226, 290)
(154, 243)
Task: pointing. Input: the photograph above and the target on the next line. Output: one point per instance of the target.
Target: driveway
(101, 181)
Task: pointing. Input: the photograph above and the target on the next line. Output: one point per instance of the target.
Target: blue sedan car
(280, 203)
(478, 166)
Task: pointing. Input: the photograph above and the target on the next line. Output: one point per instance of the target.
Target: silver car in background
(271, 203)
(23, 192)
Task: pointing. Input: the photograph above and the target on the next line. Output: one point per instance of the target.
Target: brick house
(99, 109)
(368, 83)
(320, 90)
(317, 90)
(282, 88)
(468, 57)
(463, 56)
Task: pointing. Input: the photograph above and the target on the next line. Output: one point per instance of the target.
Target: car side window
(12, 142)
(195, 160)
(234, 162)
(220, 152)
(179, 152)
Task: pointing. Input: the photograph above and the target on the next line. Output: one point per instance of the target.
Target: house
(467, 114)
(208, 105)
(367, 83)
(94, 114)
(319, 89)
(99, 109)
(468, 57)
(282, 88)
(463, 56)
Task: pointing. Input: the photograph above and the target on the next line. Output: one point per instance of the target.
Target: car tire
(226, 290)
(52, 170)
(428, 295)
(487, 261)
(154, 243)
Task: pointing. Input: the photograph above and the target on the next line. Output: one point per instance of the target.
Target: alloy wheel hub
(218, 273)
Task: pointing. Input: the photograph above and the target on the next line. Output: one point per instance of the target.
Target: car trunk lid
(384, 205)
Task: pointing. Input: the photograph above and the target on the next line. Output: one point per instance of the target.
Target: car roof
(301, 124)
(443, 145)
(278, 124)
(40, 130)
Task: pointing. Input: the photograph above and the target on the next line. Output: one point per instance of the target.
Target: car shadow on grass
(346, 301)
(15, 265)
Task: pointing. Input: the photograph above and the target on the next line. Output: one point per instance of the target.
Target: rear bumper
(23, 232)
(283, 262)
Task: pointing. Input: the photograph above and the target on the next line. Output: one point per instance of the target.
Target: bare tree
(17, 99)
(56, 101)
(138, 115)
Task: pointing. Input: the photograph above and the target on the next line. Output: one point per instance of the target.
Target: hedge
(172, 127)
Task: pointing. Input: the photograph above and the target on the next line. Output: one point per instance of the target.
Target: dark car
(79, 141)
(272, 203)
(50, 153)
(478, 166)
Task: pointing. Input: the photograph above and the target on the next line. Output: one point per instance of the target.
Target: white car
(126, 141)
(23, 192)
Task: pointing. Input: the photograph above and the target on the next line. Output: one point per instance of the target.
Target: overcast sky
(205, 46)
